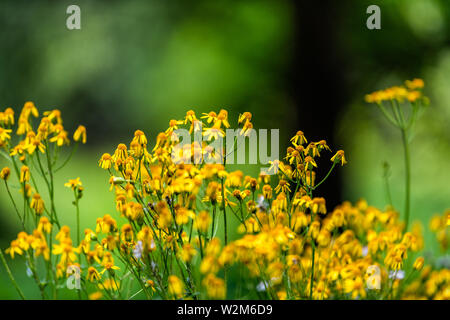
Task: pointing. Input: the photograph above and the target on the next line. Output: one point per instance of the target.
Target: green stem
(68, 158)
(35, 275)
(323, 180)
(387, 115)
(11, 276)
(14, 204)
(407, 176)
(312, 269)
(224, 213)
(78, 215)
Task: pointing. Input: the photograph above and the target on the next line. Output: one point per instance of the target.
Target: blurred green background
(138, 64)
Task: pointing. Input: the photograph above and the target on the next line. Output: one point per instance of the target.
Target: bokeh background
(293, 64)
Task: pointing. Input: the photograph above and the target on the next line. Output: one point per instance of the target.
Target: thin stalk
(78, 215)
(323, 180)
(407, 177)
(312, 269)
(19, 291)
(224, 213)
(14, 204)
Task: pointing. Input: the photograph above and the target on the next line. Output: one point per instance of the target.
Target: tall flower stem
(11, 276)
(312, 270)
(224, 214)
(78, 215)
(224, 226)
(407, 176)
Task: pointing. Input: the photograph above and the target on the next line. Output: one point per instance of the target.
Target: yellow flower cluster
(178, 217)
(410, 92)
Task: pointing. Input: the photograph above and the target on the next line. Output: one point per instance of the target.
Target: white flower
(399, 274)
(137, 251)
(365, 251)
(262, 286)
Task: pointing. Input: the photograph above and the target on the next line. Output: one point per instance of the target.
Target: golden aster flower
(24, 240)
(213, 247)
(202, 221)
(109, 284)
(45, 128)
(355, 287)
(176, 286)
(26, 190)
(73, 183)
(282, 186)
(324, 238)
(374, 97)
(263, 177)
(246, 129)
(222, 119)
(29, 109)
(310, 163)
(418, 264)
(121, 153)
(415, 84)
(150, 284)
(105, 161)
(140, 137)
(110, 242)
(8, 117)
(234, 179)
(393, 261)
(209, 264)
(210, 117)
(44, 225)
(182, 215)
(37, 204)
(24, 174)
(187, 252)
(14, 248)
(23, 126)
(97, 295)
(126, 233)
(161, 141)
(110, 267)
(61, 138)
(413, 96)
(318, 205)
(80, 134)
(267, 191)
(63, 233)
(312, 150)
(300, 220)
(67, 252)
(32, 143)
(339, 156)
(215, 287)
(190, 117)
(173, 125)
(5, 173)
(314, 229)
(246, 116)
(322, 145)
(54, 115)
(41, 248)
(338, 218)
(5, 134)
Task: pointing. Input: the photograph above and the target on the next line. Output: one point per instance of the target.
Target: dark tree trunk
(317, 83)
